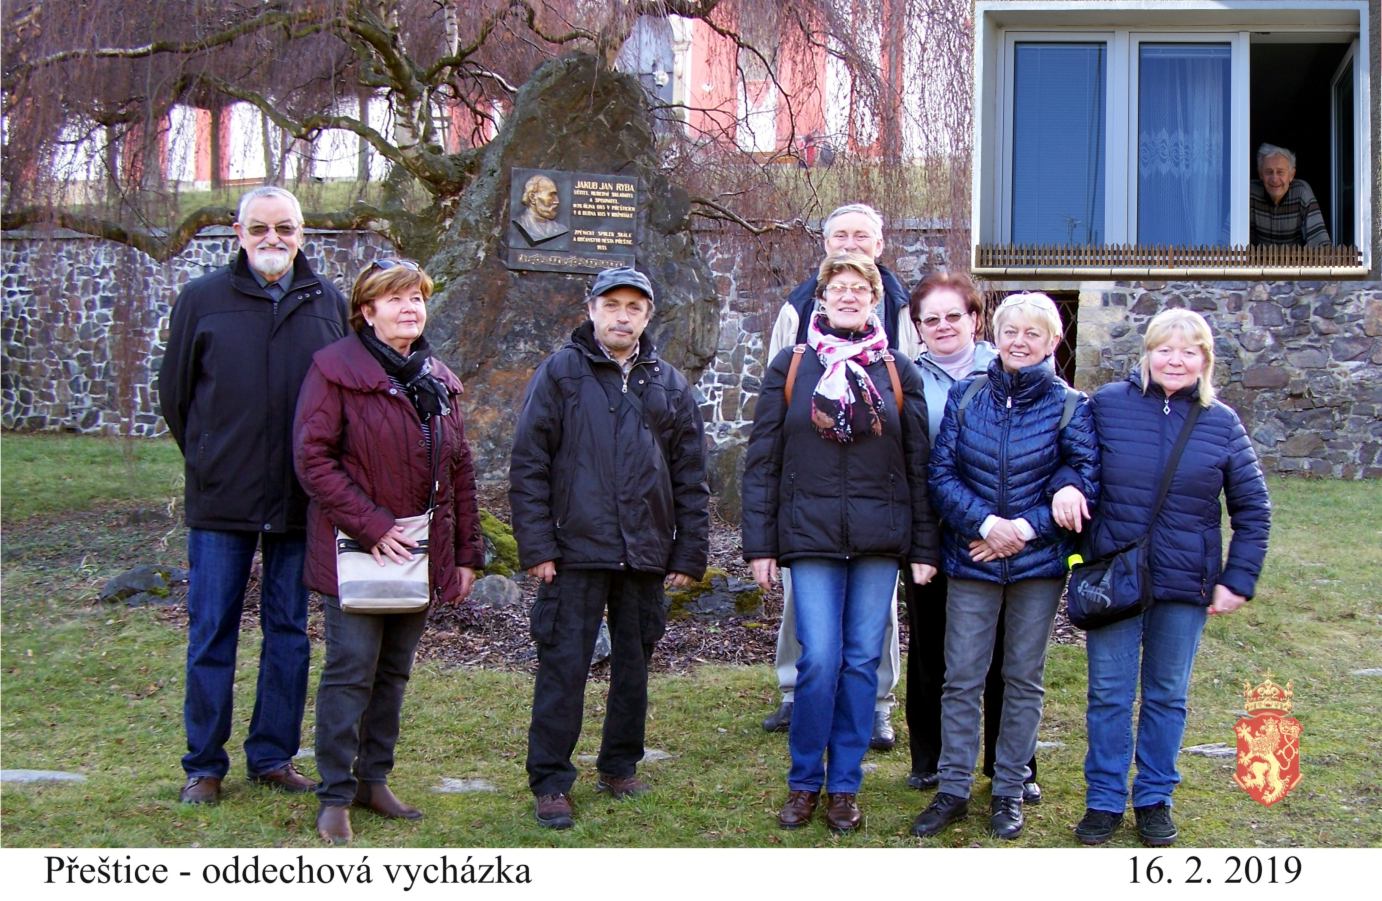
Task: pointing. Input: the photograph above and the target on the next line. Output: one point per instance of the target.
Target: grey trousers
(360, 699)
(971, 619)
(789, 650)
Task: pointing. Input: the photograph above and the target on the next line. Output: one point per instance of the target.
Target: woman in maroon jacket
(376, 414)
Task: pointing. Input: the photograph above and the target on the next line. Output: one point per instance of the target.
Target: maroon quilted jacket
(360, 454)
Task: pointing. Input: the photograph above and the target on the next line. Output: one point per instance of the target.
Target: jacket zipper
(1003, 476)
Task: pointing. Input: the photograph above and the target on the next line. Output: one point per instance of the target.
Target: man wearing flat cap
(609, 500)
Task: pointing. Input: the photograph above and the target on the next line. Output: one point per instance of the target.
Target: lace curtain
(1183, 144)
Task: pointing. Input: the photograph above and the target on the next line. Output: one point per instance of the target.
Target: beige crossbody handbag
(364, 586)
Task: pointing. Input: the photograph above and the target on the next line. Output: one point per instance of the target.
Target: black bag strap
(1072, 400)
(434, 461)
(1172, 462)
(975, 386)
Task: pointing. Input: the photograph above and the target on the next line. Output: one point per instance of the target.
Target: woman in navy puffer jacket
(998, 470)
(1138, 421)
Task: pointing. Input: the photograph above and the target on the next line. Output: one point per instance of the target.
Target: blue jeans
(220, 567)
(1162, 644)
(843, 608)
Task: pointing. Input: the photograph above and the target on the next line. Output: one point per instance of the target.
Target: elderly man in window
(1282, 208)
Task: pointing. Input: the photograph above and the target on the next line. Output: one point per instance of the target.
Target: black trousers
(369, 658)
(926, 679)
(565, 620)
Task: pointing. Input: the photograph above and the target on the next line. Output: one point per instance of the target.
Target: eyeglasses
(951, 318)
(858, 290)
(386, 264)
(283, 229)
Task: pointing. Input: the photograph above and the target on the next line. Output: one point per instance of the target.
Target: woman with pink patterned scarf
(835, 489)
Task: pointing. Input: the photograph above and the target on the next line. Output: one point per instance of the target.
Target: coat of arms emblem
(1268, 743)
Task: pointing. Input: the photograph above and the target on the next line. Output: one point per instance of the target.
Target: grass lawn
(98, 691)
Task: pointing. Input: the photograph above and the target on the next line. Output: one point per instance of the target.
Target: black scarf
(414, 372)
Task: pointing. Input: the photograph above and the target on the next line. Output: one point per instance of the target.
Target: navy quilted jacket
(1136, 433)
(1008, 460)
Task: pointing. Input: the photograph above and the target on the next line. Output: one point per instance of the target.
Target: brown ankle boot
(378, 797)
(333, 825)
(798, 809)
(842, 812)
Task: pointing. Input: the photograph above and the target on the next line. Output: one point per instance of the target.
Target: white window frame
(1000, 24)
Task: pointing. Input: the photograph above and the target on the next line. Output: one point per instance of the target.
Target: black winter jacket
(595, 482)
(806, 496)
(1008, 460)
(1136, 433)
(228, 386)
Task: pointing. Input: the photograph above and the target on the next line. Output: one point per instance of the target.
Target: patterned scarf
(835, 412)
(414, 372)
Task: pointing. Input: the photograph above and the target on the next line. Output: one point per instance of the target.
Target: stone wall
(1300, 361)
(74, 308)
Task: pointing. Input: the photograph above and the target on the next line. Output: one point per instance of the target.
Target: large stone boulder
(494, 325)
(718, 596)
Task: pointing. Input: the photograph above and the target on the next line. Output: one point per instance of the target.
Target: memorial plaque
(571, 221)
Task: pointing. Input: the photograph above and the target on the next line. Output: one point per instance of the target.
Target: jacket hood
(349, 363)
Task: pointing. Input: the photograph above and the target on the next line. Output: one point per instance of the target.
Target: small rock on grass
(30, 776)
(1215, 750)
(453, 786)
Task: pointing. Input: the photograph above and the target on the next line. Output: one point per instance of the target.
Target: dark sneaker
(620, 787)
(944, 810)
(1154, 826)
(780, 720)
(923, 781)
(1097, 826)
(1005, 817)
(554, 811)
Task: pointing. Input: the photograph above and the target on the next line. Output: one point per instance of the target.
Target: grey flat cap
(621, 277)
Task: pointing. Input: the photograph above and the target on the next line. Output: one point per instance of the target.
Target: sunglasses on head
(385, 265)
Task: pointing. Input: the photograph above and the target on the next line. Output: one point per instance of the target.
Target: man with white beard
(239, 345)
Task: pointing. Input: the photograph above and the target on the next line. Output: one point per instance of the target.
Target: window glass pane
(1343, 157)
(1058, 143)
(1183, 114)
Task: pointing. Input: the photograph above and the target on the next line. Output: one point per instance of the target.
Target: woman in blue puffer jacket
(1000, 466)
(1138, 421)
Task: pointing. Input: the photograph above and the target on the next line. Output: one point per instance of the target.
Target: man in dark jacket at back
(609, 498)
(855, 228)
(239, 345)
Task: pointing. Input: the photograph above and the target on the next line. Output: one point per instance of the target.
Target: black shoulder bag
(1118, 585)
